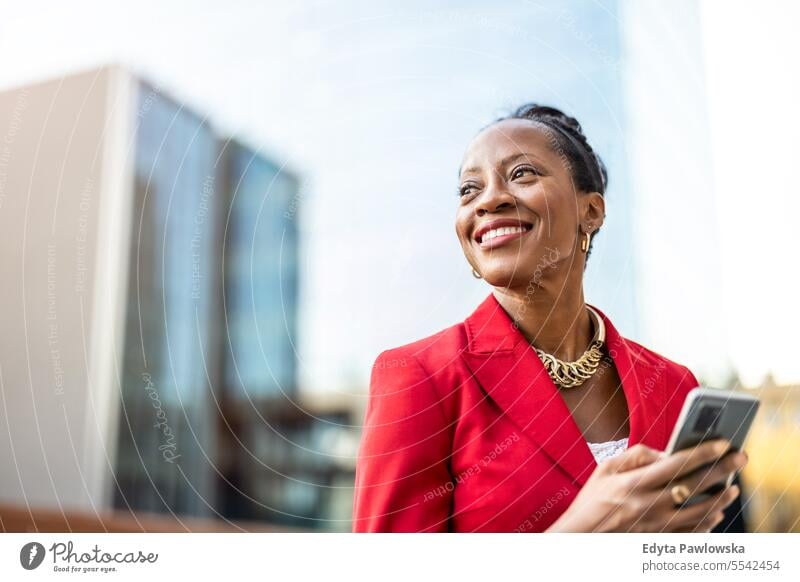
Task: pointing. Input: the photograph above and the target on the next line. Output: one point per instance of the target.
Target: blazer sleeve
(403, 481)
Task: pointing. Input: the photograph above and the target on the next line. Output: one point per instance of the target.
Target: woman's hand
(631, 492)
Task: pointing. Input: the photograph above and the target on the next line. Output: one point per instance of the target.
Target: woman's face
(520, 218)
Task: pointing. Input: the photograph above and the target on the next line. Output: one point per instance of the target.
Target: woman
(533, 414)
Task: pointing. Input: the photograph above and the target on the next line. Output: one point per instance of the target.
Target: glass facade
(260, 276)
(211, 326)
(166, 438)
(271, 471)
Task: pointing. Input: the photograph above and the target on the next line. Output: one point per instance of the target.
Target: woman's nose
(493, 198)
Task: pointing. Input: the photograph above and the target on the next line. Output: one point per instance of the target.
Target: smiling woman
(573, 415)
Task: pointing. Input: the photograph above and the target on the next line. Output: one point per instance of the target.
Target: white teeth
(490, 234)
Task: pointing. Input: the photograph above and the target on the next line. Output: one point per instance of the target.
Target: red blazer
(465, 431)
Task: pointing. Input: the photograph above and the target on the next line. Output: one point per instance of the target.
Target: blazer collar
(513, 376)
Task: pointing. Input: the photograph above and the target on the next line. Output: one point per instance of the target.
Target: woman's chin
(507, 278)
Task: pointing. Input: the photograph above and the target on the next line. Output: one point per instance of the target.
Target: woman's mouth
(495, 234)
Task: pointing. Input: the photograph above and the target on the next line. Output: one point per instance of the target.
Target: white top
(608, 449)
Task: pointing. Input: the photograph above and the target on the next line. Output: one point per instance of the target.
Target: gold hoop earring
(476, 274)
(585, 242)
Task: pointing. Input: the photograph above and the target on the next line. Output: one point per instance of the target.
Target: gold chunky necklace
(573, 374)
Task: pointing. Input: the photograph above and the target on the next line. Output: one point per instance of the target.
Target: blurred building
(148, 349)
(291, 462)
(66, 216)
(668, 140)
(171, 359)
(772, 475)
(261, 270)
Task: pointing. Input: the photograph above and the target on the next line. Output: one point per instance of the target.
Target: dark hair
(588, 170)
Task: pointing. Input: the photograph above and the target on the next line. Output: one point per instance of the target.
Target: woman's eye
(466, 189)
(523, 170)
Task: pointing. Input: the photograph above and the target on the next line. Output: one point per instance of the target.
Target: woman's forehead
(507, 138)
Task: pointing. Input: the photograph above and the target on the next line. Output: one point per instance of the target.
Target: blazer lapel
(644, 385)
(512, 375)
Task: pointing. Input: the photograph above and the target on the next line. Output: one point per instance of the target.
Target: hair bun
(534, 111)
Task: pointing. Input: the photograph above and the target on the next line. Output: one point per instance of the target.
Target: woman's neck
(554, 320)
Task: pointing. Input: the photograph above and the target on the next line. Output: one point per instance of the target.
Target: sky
(372, 103)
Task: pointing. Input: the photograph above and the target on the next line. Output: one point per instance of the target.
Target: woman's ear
(593, 211)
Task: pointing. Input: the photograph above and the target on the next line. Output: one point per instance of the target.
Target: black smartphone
(711, 413)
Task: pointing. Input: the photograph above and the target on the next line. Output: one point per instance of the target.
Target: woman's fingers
(717, 472)
(637, 486)
(657, 510)
(702, 516)
(638, 455)
(671, 467)
(702, 479)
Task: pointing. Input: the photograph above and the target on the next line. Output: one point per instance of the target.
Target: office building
(148, 352)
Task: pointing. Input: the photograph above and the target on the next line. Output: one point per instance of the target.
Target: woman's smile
(499, 232)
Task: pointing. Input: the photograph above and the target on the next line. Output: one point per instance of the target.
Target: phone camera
(708, 419)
